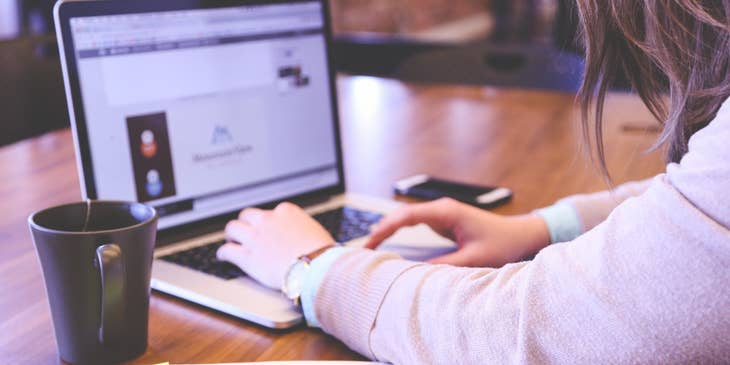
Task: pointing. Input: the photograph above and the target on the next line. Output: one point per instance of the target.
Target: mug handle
(113, 281)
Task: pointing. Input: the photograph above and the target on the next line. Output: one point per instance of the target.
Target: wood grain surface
(524, 140)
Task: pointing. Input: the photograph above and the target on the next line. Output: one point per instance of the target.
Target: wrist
(297, 272)
(562, 222)
(314, 279)
(537, 234)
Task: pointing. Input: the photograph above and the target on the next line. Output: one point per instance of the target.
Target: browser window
(201, 112)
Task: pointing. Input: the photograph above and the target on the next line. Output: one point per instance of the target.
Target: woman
(641, 275)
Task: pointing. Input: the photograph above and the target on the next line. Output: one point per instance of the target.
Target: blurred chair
(377, 55)
(495, 64)
(504, 59)
(535, 66)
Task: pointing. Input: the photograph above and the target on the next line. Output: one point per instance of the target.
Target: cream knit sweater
(649, 284)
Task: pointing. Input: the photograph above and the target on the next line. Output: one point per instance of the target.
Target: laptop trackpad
(418, 243)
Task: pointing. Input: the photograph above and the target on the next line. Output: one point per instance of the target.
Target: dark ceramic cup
(96, 259)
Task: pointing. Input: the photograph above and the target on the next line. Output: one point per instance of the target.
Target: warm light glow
(367, 96)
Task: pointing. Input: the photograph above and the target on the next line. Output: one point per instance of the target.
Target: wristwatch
(294, 278)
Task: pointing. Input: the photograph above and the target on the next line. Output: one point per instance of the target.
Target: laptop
(201, 108)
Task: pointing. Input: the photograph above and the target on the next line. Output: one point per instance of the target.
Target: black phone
(430, 188)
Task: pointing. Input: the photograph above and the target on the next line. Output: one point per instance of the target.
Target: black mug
(96, 258)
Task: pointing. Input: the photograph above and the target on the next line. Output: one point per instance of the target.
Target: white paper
(300, 363)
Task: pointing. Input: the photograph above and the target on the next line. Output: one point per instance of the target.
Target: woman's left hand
(265, 243)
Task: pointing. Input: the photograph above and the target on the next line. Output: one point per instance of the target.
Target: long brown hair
(674, 53)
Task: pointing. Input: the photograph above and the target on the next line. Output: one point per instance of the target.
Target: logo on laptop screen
(221, 135)
(222, 148)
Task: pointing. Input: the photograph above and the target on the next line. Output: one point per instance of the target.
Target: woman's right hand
(484, 239)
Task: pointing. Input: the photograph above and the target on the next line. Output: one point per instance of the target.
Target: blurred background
(508, 43)
(446, 20)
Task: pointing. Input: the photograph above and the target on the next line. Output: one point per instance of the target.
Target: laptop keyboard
(203, 258)
(344, 224)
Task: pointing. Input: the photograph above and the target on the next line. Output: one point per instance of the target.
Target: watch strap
(307, 259)
(313, 255)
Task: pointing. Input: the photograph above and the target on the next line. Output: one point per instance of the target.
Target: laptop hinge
(192, 230)
(312, 200)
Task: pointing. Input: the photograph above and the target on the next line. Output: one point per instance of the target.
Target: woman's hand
(269, 241)
(484, 239)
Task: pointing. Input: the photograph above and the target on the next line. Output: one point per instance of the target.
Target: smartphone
(430, 188)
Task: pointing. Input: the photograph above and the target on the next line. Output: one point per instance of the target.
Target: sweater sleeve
(570, 217)
(594, 208)
(646, 285)
(318, 269)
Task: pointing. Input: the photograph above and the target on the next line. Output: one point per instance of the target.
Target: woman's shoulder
(703, 174)
(716, 132)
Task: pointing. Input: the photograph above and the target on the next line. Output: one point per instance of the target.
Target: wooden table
(525, 140)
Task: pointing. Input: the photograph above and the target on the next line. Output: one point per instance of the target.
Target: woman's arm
(647, 285)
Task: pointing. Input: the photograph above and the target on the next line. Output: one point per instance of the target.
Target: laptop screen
(202, 112)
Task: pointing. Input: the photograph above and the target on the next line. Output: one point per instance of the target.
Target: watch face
(294, 281)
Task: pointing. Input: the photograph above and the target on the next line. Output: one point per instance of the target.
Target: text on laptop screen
(201, 112)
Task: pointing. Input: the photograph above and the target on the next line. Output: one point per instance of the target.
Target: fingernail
(219, 254)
